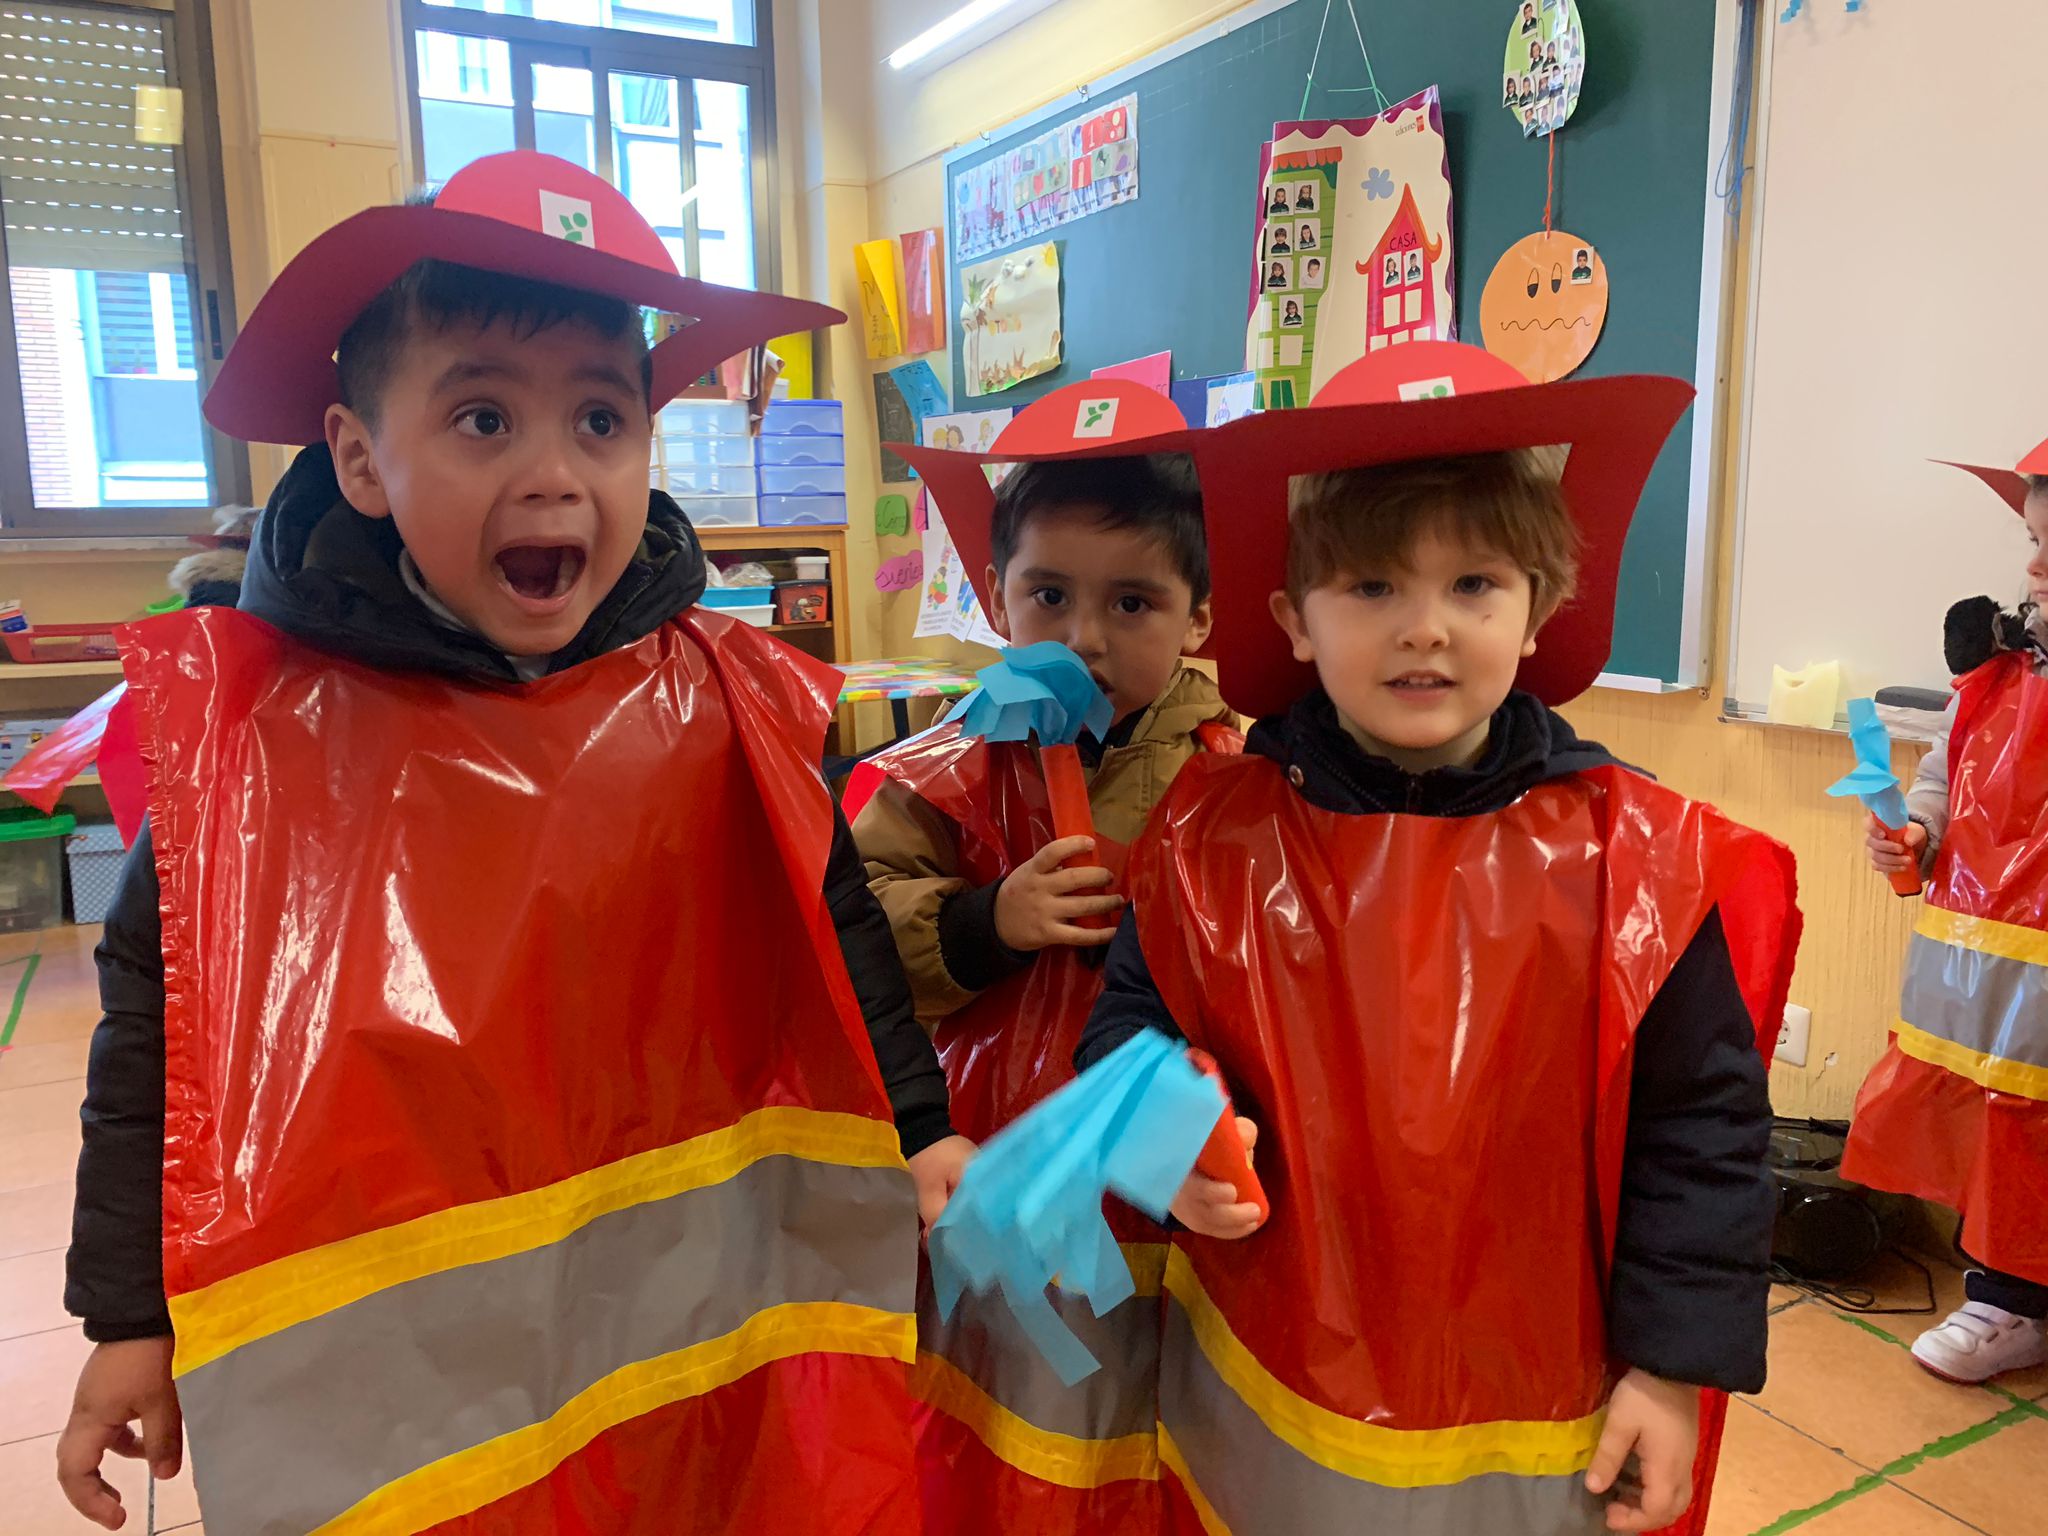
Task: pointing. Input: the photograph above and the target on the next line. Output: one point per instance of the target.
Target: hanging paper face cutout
(1545, 65)
(1545, 304)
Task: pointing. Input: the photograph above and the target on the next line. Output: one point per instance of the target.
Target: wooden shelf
(51, 671)
(801, 629)
(802, 536)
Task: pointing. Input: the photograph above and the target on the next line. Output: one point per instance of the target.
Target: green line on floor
(2033, 1408)
(1947, 1445)
(28, 975)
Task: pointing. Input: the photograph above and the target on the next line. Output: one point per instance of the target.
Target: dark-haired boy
(1107, 557)
(490, 1123)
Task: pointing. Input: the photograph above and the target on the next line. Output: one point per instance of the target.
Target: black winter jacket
(1690, 1285)
(330, 577)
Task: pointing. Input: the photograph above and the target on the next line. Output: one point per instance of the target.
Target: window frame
(605, 51)
(203, 197)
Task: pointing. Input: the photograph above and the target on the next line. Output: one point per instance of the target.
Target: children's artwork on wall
(1010, 319)
(1545, 304)
(966, 431)
(1085, 165)
(881, 303)
(1229, 398)
(946, 604)
(1367, 220)
(1545, 65)
(895, 422)
(924, 291)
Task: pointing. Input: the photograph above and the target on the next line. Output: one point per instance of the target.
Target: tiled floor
(1850, 1438)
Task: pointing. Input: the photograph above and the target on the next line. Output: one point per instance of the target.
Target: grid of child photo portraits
(1546, 64)
(1293, 262)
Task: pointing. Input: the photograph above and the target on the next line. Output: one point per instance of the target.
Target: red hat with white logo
(522, 214)
(1094, 419)
(2010, 485)
(1427, 400)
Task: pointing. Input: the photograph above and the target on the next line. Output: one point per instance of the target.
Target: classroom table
(899, 679)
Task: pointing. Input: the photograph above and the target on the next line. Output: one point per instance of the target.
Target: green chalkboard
(1171, 269)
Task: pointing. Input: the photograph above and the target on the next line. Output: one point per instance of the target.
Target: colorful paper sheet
(927, 396)
(1028, 1212)
(1227, 398)
(798, 369)
(924, 291)
(966, 431)
(881, 302)
(1352, 250)
(1010, 319)
(1154, 372)
(894, 423)
(901, 573)
(892, 516)
(1085, 165)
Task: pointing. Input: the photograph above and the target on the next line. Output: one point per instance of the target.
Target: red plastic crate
(61, 642)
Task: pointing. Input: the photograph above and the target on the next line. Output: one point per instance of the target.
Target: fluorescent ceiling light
(933, 38)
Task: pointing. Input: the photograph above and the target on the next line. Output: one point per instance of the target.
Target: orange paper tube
(1224, 1157)
(1066, 787)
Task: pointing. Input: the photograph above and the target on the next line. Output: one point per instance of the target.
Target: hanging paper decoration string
(1544, 66)
(1874, 783)
(1732, 175)
(1372, 81)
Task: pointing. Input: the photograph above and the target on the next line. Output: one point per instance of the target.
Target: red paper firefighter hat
(1094, 419)
(2009, 484)
(1426, 400)
(521, 213)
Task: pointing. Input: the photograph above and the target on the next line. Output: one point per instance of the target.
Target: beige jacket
(909, 848)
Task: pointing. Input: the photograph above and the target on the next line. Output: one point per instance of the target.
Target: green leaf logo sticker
(566, 218)
(1095, 418)
(1429, 389)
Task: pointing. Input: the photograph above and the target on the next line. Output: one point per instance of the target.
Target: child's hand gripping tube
(1044, 692)
(1223, 1155)
(1874, 783)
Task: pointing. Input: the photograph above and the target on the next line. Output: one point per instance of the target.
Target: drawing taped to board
(1085, 165)
(1372, 267)
(1010, 319)
(1545, 304)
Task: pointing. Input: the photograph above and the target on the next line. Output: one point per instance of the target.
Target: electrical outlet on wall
(1792, 1035)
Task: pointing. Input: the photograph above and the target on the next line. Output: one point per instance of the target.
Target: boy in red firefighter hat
(500, 1115)
(1490, 1001)
(1957, 1108)
(1095, 541)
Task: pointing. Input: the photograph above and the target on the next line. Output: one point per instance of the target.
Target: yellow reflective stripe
(215, 1319)
(2006, 941)
(1171, 1458)
(1148, 1265)
(1998, 1073)
(469, 1480)
(1064, 1460)
(1391, 1458)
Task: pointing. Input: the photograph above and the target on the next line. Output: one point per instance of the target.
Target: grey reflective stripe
(983, 1341)
(1259, 1485)
(297, 1427)
(1984, 1003)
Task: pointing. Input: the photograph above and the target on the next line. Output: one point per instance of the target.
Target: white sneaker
(1980, 1341)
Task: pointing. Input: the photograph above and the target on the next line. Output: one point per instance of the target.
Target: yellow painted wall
(1769, 778)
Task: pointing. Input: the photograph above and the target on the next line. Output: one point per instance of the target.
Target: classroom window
(115, 263)
(676, 117)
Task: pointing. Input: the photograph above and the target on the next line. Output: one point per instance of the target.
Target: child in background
(491, 1116)
(1487, 999)
(1105, 556)
(1956, 1110)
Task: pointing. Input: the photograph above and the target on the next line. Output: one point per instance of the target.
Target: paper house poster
(1352, 246)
